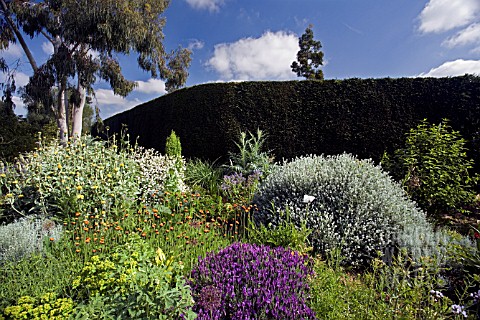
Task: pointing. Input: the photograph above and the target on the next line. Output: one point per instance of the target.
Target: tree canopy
(309, 57)
(86, 36)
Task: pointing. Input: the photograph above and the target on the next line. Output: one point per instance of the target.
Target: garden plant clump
(104, 230)
(245, 281)
(434, 168)
(348, 204)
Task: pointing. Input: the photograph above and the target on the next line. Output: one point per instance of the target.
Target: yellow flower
(94, 187)
(109, 175)
(9, 195)
(59, 166)
(122, 165)
(3, 175)
(79, 188)
(80, 196)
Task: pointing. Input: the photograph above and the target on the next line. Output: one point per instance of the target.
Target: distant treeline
(359, 116)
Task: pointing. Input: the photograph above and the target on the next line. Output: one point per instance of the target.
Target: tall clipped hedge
(359, 116)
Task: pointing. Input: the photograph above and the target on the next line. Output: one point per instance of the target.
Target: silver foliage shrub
(25, 236)
(356, 208)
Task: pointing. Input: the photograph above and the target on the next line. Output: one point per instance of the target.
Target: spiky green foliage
(434, 167)
(357, 208)
(250, 156)
(203, 175)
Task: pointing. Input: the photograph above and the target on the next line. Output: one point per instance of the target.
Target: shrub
(173, 147)
(159, 173)
(348, 204)
(25, 236)
(245, 281)
(433, 167)
(86, 176)
(137, 281)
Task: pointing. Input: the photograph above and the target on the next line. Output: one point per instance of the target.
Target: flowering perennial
(245, 281)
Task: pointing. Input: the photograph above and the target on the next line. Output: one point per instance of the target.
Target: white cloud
(196, 45)
(47, 47)
(443, 15)
(211, 5)
(110, 104)
(454, 68)
(470, 35)
(266, 58)
(20, 108)
(14, 51)
(21, 79)
(151, 86)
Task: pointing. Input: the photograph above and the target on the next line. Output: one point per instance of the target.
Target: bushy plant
(87, 176)
(82, 177)
(47, 307)
(348, 204)
(434, 167)
(137, 282)
(173, 147)
(159, 173)
(245, 281)
(25, 236)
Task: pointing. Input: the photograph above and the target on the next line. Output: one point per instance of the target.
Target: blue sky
(239, 40)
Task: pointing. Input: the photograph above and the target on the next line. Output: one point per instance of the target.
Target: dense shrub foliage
(364, 117)
(348, 204)
(245, 281)
(433, 167)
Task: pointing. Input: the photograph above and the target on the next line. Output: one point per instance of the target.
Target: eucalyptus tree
(309, 57)
(87, 36)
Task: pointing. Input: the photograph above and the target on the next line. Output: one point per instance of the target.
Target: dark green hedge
(359, 116)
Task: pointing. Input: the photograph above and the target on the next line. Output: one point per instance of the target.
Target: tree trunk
(62, 114)
(78, 113)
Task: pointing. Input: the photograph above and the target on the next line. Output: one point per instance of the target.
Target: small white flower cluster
(25, 236)
(457, 309)
(348, 203)
(158, 171)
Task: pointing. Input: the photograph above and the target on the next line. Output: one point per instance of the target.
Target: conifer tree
(309, 57)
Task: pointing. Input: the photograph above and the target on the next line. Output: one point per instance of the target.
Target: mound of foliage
(349, 204)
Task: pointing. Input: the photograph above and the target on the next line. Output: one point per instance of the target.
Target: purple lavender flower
(245, 281)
